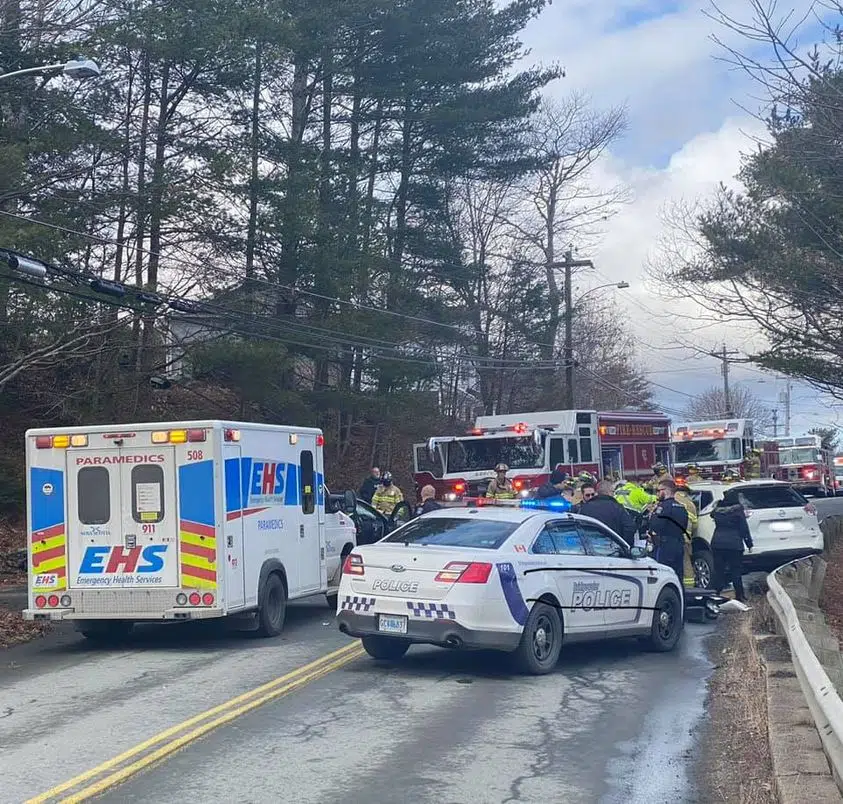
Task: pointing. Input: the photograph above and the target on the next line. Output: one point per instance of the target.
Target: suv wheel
(703, 563)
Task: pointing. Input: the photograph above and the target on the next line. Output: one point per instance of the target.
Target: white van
(180, 521)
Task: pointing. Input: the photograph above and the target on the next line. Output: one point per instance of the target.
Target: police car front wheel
(541, 641)
(667, 621)
(385, 648)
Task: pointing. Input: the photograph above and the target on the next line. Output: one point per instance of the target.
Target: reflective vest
(505, 492)
(631, 495)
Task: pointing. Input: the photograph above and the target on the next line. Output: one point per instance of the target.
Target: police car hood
(393, 569)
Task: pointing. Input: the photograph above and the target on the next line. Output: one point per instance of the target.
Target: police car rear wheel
(667, 622)
(385, 648)
(273, 607)
(541, 641)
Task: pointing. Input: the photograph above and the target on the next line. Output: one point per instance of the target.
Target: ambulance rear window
(147, 494)
(93, 495)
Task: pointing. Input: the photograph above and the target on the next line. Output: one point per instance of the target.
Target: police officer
(387, 495)
(428, 501)
(501, 488)
(667, 528)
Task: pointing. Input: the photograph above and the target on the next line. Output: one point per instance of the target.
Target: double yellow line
(96, 781)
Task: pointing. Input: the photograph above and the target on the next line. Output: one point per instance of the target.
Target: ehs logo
(110, 560)
(267, 479)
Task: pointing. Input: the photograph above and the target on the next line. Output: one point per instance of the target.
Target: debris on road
(14, 629)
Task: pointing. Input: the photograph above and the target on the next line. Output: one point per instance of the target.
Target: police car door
(561, 542)
(623, 581)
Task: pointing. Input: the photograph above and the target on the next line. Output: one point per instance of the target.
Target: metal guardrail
(822, 698)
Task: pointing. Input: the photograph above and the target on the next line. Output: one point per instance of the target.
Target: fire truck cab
(626, 443)
(714, 446)
(804, 463)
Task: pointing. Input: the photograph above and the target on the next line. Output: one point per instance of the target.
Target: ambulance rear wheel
(273, 607)
(106, 631)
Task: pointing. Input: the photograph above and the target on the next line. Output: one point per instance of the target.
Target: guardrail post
(815, 590)
(803, 574)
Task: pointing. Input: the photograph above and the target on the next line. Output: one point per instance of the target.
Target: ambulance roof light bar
(179, 436)
(61, 441)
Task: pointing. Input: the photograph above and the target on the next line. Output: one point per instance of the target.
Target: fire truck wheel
(106, 631)
(273, 607)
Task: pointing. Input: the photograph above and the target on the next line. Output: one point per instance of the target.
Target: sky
(691, 115)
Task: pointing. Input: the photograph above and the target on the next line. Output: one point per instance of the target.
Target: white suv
(782, 522)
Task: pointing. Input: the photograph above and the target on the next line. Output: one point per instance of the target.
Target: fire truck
(803, 462)
(626, 443)
(714, 446)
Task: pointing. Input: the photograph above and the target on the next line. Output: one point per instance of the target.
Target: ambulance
(180, 521)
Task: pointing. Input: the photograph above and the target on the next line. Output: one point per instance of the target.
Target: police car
(515, 579)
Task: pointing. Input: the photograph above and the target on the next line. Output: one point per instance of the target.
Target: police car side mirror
(349, 502)
(638, 552)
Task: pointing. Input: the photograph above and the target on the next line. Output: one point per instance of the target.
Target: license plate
(390, 624)
(781, 526)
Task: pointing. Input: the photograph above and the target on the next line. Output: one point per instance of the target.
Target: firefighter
(752, 464)
(387, 495)
(694, 475)
(659, 473)
(500, 487)
(684, 499)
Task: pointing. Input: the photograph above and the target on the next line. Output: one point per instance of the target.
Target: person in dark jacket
(370, 485)
(428, 501)
(731, 533)
(600, 504)
(554, 487)
(666, 529)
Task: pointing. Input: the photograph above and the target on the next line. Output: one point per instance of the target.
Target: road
(612, 724)
(828, 506)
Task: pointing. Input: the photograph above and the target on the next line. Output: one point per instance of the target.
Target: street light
(618, 285)
(80, 69)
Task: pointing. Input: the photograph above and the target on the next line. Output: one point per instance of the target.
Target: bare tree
(711, 404)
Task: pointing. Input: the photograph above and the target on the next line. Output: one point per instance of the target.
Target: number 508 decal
(194, 455)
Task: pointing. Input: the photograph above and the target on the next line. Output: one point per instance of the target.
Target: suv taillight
(353, 565)
(810, 509)
(464, 572)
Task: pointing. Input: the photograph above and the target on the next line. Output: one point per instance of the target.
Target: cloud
(691, 118)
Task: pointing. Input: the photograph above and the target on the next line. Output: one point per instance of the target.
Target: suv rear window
(756, 497)
(455, 532)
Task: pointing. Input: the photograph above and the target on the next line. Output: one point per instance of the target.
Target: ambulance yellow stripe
(51, 565)
(191, 582)
(199, 541)
(48, 544)
(198, 562)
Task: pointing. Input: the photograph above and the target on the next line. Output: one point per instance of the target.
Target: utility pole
(784, 396)
(775, 413)
(727, 399)
(569, 264)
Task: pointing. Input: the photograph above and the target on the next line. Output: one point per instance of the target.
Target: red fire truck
(533, 444)
(804, 463)
(714, 446)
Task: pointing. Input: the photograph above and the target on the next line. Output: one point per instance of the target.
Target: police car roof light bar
(552, 504)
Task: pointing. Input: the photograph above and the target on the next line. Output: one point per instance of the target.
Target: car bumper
(444, 633)
(775, 558)
(168, 614)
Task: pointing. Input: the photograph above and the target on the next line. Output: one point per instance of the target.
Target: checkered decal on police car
(431, 611)
(357, 603)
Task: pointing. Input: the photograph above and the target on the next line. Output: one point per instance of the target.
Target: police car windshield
(472, 455)
(455, 532)
(715, 449)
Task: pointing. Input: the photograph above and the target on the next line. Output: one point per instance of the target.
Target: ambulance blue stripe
(196, 493)
(47, 509)
(512, 593)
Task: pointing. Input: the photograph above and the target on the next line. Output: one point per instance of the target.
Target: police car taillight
(353, 565)
(464, 572)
